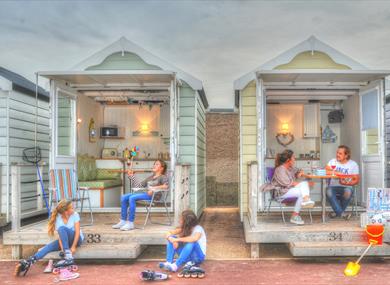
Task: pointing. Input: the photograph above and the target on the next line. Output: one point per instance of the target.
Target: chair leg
(90, 208)
(282, 210)
(167, 211)
(269, 206)
(311, 216)
(148, 209)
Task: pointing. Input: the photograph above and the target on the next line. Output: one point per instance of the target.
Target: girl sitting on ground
(66, 222)
(188, 241)
(158, 181)
(285, 180)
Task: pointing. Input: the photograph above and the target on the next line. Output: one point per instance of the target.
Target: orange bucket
(375, 233)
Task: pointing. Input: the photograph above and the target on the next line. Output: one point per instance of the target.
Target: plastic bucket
(375, 233)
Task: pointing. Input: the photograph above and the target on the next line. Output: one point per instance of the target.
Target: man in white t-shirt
(339, 192)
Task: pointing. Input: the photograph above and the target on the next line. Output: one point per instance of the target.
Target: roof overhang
(317, 79)
(112, 79)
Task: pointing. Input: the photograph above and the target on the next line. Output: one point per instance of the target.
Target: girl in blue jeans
(158, 181)
(66, 222)
(188, 242)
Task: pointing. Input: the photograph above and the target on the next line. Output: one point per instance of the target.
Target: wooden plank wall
(22, 135)
(248, 138)
(187, 135)
(201, 155)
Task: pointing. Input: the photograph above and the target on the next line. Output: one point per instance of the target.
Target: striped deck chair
(64, 185)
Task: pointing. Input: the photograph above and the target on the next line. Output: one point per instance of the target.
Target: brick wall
(222, 154)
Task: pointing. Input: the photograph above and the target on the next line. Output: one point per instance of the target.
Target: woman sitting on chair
(285, 179)
(158, 181)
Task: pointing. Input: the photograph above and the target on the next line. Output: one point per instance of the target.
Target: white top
(73, 219)
(350, 167)
(202, 241)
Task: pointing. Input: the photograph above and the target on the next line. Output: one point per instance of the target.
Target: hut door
(372, 138)
(63, 152)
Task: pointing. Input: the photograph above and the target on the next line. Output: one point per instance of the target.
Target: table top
(322, 176)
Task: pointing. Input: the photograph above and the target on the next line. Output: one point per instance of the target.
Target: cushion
(82, 167)
(105, 173)
(91, 168)
(101, 183)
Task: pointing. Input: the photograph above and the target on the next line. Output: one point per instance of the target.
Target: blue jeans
(339, 198)
(128, 203)
(189, 251)
(66, 236)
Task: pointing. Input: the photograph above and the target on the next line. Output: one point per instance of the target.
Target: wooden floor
(271, 229)
(100, 230)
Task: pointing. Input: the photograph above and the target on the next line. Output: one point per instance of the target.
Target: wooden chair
(64, 185)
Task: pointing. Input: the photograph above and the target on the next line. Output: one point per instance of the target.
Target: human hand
(172, 239)
(130, 172)
(73, 249)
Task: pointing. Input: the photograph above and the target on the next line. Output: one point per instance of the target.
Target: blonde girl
(66, 222)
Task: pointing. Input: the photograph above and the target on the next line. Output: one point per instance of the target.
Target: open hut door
(63, 153)
(372, 137)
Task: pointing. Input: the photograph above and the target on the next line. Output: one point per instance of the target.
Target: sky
(215, 41)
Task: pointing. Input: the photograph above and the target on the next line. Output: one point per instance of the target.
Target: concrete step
(345, 248)
(104, 251)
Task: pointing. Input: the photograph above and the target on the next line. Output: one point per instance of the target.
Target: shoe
(172, 267)
(119, 225)
(346, 216)
(49, 267)
(308, 204)
(128, 226)
(297, 220)
(164, 265)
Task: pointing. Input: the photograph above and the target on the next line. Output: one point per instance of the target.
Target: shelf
(113, 138)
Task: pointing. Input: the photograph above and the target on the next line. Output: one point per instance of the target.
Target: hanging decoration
(92, 131)
(328, 136)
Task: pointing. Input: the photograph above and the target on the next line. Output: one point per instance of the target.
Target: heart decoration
(285, 139)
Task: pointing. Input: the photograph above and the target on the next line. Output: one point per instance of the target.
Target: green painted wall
(248, 137)
(187, 134)
(201, 155)
(125, 61)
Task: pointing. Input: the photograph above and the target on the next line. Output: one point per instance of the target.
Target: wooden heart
(284, 139)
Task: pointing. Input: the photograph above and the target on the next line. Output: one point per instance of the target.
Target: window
(65, 125)
(370, 125)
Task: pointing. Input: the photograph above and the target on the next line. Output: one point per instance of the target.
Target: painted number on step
(93, 238)
(333, 236)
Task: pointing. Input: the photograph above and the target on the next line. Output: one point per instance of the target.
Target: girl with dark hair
(188, 241)
(285, 179)
(158, 181)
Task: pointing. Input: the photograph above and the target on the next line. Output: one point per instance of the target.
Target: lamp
(144, 128)
(284, 137)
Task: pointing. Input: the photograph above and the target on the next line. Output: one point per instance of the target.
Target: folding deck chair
(159, 198)
(282, 202)
(64, 185)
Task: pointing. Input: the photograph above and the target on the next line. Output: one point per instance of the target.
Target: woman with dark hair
(158, 181)
(188, 241)
(285, 179)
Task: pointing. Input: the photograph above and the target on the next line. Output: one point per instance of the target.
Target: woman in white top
(188, 241)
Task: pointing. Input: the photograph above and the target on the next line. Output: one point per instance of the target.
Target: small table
(323, 190)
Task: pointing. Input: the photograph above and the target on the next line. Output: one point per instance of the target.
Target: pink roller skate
(66, 274)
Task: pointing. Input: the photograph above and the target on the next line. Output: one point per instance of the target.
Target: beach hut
(24, 123)
(310, 99)
(120, 97)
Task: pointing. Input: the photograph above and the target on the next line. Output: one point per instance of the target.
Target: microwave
(112, 132)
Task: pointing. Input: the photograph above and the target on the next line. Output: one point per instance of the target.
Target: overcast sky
(216, 41)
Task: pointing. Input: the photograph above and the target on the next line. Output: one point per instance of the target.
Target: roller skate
(149, 275)
(23, 266)
(65, 264)
(66, 274)
(49, 267)
(190, 270)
